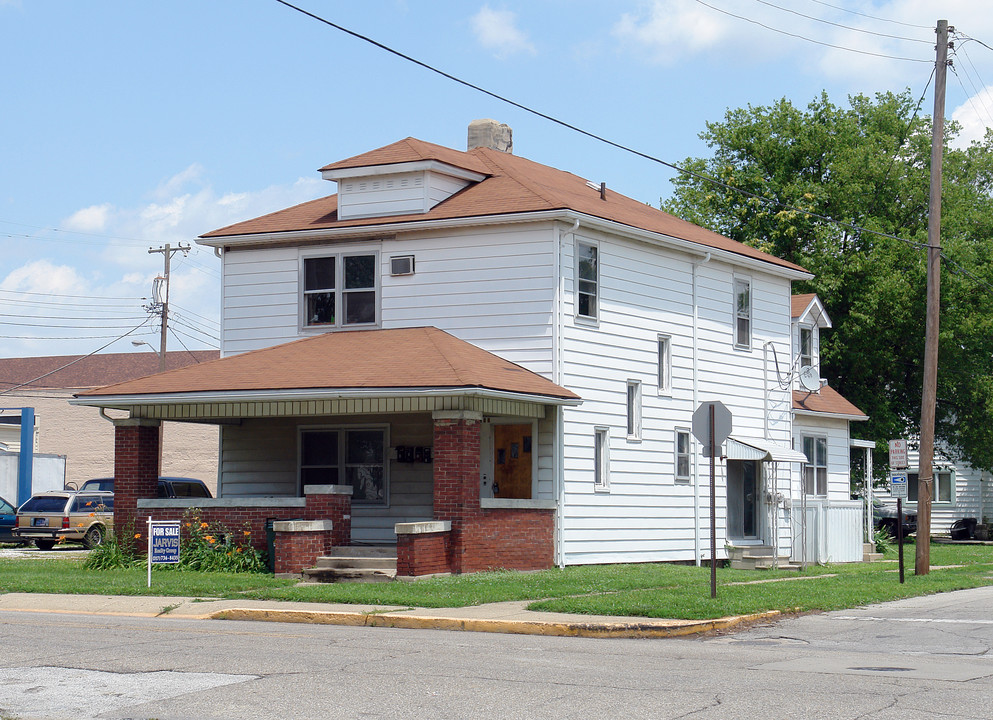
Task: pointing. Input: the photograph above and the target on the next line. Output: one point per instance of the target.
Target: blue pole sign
(898, 484)
(163, 543)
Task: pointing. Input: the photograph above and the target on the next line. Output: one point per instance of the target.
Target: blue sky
(125, 125)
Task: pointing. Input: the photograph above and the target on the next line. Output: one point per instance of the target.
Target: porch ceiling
(226, 411)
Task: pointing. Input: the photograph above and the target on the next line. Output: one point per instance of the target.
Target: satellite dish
(810, 378)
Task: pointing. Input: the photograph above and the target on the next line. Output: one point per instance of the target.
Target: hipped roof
(408, 358)
(514, 185)
(90, 371)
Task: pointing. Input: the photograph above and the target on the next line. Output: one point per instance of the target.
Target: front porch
(304, 471)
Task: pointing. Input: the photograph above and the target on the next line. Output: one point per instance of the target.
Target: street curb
(647, 629)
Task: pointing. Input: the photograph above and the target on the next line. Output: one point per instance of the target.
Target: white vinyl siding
(492, 287)
(645, 292)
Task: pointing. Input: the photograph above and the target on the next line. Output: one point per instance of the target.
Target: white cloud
(91, 219)
(496, 30)
(670, 29)
(975, 116)
(42, 276)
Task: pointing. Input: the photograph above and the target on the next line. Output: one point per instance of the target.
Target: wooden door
(512, 449)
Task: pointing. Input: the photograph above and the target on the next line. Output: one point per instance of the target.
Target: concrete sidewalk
(505, 617)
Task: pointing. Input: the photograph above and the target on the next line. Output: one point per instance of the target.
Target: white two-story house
(496, 363)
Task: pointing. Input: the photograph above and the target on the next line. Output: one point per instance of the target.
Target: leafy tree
(867, 166)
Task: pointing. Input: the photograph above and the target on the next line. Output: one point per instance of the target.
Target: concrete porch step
(758, 557)
(355, 563)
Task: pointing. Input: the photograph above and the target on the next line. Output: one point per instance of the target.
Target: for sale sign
(164, 539)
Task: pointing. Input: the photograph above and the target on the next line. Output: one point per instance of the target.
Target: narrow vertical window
(587, 281)
(815, 470)
(742, 313)
(601, 461)
(806, 347)
(665, 365)
(682, 455)
(634, 410)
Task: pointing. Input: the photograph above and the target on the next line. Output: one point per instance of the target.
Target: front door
(743, 496)
(512, 448)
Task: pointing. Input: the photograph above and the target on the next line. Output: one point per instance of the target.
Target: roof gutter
(571, 216)
(126, 401)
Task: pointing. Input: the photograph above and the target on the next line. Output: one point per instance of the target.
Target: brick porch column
(136, 470)
(456, 475)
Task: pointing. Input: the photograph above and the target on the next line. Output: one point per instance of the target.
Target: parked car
(169, 487)
(884, 517)
(7, 516)
(65, 515)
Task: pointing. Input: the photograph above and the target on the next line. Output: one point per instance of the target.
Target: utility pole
(925, 483)
(162, 294)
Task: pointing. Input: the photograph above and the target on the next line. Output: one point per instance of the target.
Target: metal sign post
(163, 543)
(711, 426)
(898, 489)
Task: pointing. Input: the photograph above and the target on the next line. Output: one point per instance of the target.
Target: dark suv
(884, 518)
(169, 487)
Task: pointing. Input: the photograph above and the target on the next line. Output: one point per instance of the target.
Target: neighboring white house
(960, 491)
(633, 318)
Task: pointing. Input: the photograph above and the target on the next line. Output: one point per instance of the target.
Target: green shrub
(116, 551)
(212, 547)
(883, 541)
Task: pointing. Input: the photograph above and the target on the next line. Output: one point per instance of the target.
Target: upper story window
(742, 313)
(340, 290)
(665, 365)
(806, 346)
(815, 470)
(587, 281)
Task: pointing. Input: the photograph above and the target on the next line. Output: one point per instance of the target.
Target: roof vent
(490, 134)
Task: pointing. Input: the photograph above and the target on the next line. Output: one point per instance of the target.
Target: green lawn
(649, 590)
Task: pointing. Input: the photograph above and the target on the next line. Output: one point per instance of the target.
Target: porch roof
(366, 371)
(826, 402)
(740, 447)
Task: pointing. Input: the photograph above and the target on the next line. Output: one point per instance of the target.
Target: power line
(83, 357)
(599, 138)
(871, 17)
(844, 27)
(76, 297)
(804, 37)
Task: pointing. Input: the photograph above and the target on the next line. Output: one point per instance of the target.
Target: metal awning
(739, 447)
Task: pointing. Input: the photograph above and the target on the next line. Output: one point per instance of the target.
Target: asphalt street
(921, 658)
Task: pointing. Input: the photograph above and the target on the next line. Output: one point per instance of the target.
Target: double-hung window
(806, 346)
(742, 313)
(340, 290)
(587, 281)
(941, 490)
(346, 456)
(815, 470)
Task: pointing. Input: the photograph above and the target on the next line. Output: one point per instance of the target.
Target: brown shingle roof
(514, 185)
(79, 371)
(799, 303)
(424, 357)
(827, 400)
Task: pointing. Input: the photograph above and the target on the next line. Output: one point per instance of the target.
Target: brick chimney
(490, 134)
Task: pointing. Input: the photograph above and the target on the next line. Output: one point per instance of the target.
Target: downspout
(696, 402)
(771, 498)
(557, 373)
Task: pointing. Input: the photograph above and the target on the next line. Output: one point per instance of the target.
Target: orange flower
(137, 536)
(203, 526)
(209, 538)
(238, 550)
(247, 532)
